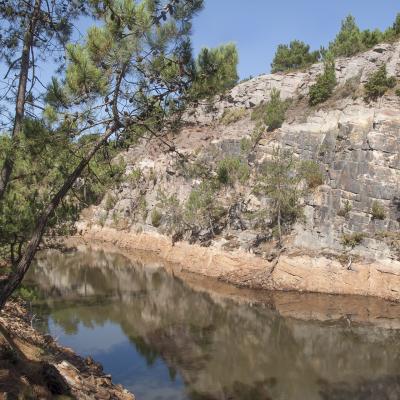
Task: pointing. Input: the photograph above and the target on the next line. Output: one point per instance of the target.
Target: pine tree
(215, 71)
(293, 56)
(349, 39)
(279, 180)
(378, 84)
(128, 80)
(326, 82)
(33, 31)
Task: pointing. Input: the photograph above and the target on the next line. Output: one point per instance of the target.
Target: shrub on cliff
(215, 71)
(232, 115)
(293, 56)
(378, 83)
(310, 171)
(378, 211)
(326, 82)
(232, 169)
(156, 217)
(272, 114)
(202, 209)
(352, 240)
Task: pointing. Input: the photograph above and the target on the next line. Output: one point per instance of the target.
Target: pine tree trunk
(21, 269)
(8, 164)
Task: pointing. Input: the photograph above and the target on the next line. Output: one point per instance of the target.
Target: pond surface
(163, 339)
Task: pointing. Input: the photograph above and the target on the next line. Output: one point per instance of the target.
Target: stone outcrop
(34, 366)
(342, 246)
(291, 272)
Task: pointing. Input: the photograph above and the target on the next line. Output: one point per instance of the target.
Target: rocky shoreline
(292, 271)
(33, 365)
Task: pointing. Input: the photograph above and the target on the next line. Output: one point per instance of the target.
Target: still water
(166, 339)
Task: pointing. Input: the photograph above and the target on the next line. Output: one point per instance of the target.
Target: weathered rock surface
(36, 367)
(291, 272)
(356, 144)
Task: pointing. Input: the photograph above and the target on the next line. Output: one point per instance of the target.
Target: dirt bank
(34, 366)
(293, 271)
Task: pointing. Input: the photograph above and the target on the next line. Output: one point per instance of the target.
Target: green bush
(102, 219)
(378, 211)
(110, 202)
(378, 83)
(201, 207)
(232, 169)
(156, 218)
(272, 114)
(326, 82)
(135, 176)
(311, 172)
(293, 56)
(344, 211)
(352, 239)
(232, 115)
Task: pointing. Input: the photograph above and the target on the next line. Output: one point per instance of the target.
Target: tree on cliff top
(349, 40)
(293, 56)
(128, 80)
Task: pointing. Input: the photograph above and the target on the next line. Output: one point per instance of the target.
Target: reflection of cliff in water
(221, 348)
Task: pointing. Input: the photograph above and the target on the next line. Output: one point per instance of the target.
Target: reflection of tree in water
(221, 349)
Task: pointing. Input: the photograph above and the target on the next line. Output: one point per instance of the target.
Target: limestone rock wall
(356, 143)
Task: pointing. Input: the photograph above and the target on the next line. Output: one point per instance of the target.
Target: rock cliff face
(355, 143)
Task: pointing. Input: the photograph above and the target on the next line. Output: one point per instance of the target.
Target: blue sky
(258, 26)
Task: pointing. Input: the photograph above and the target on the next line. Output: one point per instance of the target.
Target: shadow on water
(163, 339)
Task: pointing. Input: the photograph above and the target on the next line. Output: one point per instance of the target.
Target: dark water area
(163, 339)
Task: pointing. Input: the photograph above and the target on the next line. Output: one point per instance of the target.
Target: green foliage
(344, 211)
(310, 171)
(279, 179)
(82, 75)
(110, 202)
(173, 213)
(232, 115)
(27, 293)
(135, 176)
(272, 113)
(156, 217)
(326, 82)
(232, 169)
(393, 32)
(378, 83)
(371, 38)
(246, 145)
(43, 160)
(215, 71)
(296, 55)
(196, 169)
(201, 207)
(349, 39)
(352, 239)
(378, 211)
(102, 219)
